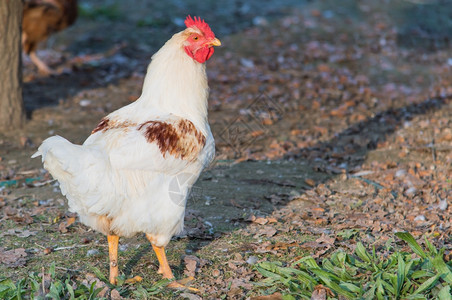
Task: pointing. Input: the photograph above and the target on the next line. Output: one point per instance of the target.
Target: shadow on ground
(238, 190)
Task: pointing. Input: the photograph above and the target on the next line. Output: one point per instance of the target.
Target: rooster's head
(200, 39)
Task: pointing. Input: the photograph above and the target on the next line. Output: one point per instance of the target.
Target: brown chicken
(42, 18)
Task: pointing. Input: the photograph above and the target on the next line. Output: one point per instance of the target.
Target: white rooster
(119, 180)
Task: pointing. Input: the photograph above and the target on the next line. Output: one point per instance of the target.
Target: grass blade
(427, 284)
(400, 275)
(444, 293)
(362, 252)
(309, 262)
(269, 274)
(351, 287)
(70, 290)
(430, 247)
(99, 274)
(409, 239)
(442, 268)
(328, 278)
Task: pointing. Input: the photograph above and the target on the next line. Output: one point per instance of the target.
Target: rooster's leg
(42, 67)
(165, 269)
(113, 254)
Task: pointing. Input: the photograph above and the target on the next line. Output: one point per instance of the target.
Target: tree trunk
(12, 112)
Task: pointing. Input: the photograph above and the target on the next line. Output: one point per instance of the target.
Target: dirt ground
(333, 124)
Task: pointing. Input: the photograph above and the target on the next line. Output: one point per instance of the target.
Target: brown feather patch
(107, 124)
(102, 126)
(181, 140)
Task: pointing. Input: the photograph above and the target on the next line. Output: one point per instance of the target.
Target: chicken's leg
(165, 269)
(113, 254)
(42, 67)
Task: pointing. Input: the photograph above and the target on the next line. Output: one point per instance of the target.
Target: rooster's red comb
(201, 25)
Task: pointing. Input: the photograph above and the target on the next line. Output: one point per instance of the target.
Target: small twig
(69, 247)
(21, 197)
(29, 172)
(68, 270)
(430, 147)
(38, 184)
(363, 173)
(433, 150)
(43, 284)
(40, 246)
(263, 181)
(434, 155)
(435, 173)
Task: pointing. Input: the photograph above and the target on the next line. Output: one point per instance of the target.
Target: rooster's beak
(215, 42)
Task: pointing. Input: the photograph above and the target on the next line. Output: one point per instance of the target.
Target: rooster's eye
(195, 38)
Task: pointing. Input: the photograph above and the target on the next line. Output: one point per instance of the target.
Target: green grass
(35, 286)
(31, 287)
(422, 274)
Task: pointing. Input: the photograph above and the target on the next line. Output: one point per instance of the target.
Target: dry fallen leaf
(261, 221)
(20, 233)
(272, 220)
(13, 258)
(63, 227)
(268, 231)
(90, 278)
(325, 239)
(282, 245)
(70, 221)
(216, 273)
(275, 296)
(243, 282)
(321, 293)
(190, 267)
(134, 280)
(309, 182)
(115, 295)
(186, 280)
(235, 204)
(193, 264)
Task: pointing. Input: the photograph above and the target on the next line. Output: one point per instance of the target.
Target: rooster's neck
(176, 84)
